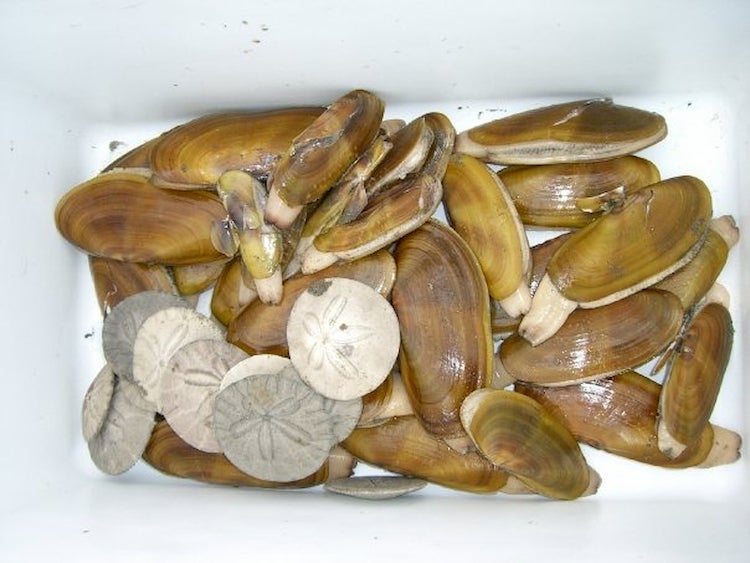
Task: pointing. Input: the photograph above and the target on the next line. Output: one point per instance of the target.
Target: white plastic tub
(77, 75)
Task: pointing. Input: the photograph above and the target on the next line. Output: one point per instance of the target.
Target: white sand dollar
(159, 337)
(126, 430)
(121, 326)
(273, 426)
(96, 402)
(189, 386)
(255, 365)
(343, 337)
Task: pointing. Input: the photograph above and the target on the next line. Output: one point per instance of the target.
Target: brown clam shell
(618, 415)
(170, 454)
(120, 215)
(195, 154)
(115, 280)
(441, 301)
(319, 155)
(693, 380)
(691, 282)
(386, 401)
(578, 131)
(233, 290)
(480, 209)
(403, 446)
(547, 195)
(595, 343)
(192, 279)
(519, 436)
(261, 328)
(653, 233)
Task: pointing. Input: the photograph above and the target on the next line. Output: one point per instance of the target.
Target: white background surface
(79, 74)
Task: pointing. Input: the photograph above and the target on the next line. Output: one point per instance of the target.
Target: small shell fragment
(343, 337)
(123, 436)
(189, 386)
(160, 336)
(375, 487)
(121, 326)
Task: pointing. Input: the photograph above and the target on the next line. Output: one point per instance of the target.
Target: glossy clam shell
(192, 279)
(693, 380)
(316, 158)
(578, 131)
(518, 435)
(547, 195)
(441, 301)
(411, 145)
(403, 446)
(618, 415)
(232, 292)
(115, 280)
(261, 328)
(655, 231)
(170, 454)
(386, 401)
(480, 209)
(595, 343)
(691, 282)
(120, 215)
(196, 153)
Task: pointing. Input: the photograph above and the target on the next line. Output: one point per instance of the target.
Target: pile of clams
(495, 360)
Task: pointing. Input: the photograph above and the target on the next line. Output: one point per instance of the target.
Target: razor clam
(480, 209)
(191, 279)
(170, 454)
(195, 154)
(410, 148)
(115, 280)
(261, 328)
(120, 215)
(232, 292)
(541, 254)
(693, 379)
(691, 282)
(579, 131)
(553, 195)
(392, 213)
(320, 154)
(260, 244)
(518, 435)
(388, 400)
(138, 157)
(653, 233)
(441, 301)
(345, 200)
(595, 343)
(403, 446)
(618, 415)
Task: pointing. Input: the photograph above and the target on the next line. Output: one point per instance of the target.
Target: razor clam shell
(195, 154)
(547, 195)
(120, 215)
(170, 454)
(442, 304)
(693, 378)
(578, 131)
(595, 343)
(115, 280)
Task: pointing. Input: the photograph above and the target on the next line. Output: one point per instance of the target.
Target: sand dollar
(343, 337)
(189, 386)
